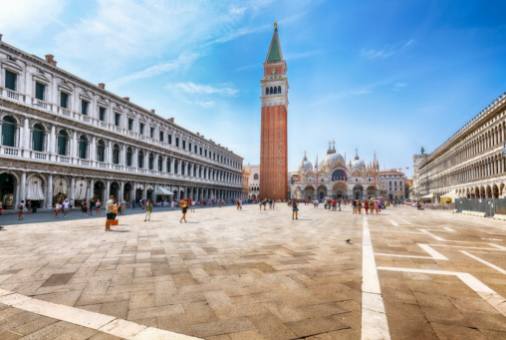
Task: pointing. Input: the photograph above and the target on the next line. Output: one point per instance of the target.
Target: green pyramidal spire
(275, 55)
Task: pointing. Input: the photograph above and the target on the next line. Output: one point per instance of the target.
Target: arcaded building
(273, 139)
(471, 163)
(64, 137)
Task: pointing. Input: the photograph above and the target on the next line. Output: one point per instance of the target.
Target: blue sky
(386, 76)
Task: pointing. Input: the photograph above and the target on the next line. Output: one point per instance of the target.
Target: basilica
(335, 177)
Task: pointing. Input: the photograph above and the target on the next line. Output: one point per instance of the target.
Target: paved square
(254, 274)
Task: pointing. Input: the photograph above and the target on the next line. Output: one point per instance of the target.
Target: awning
(452, 194)
(429, 196)
(35, 191)
(80, 189)
(162, 191)
(60, 186)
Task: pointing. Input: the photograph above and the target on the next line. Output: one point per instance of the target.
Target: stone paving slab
(254, 274)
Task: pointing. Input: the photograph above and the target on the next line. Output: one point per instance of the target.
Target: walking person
(21, 210)
(295, 210)
(110, 216)
(149, 211)
(183, 204)
(97, 206)
(57, 208)
(65, 206)
(366, 207)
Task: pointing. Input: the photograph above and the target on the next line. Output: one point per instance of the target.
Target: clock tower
(274, 147)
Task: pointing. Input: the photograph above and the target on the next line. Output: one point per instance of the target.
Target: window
(83, 147)
(190, 147)
(255, 177)
(161, 136)
(177, 142)
(101, 151)
(151, 132)
(84, 106)
(64, 99)
(129, 154)
(63, 139)
(10, 80)
(9, 131)
(169, 139)
(130, 124)
(169, 168)
(201, 151)
(195, 149)
(38, 136)
(151, 161)
(115, 154)
(184, 144)
(101, 113)
(39, 90)
(160, 163)
(176, 166)
(140, 160)
(117, 119)
(141, 128)
(183, 166)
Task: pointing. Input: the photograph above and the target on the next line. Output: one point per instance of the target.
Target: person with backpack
(295, 210)
(183, 204)
(149, 211)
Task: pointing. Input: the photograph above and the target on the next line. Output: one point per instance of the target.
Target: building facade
(333, 177)
(471, 163)
(253, 181)
(63, 137)
(392, 184)
(274, 147)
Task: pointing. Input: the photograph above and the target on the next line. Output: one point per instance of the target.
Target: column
(72, 190)
(25, 143)
(22, 188)
(120, 192)
(93, 149)
(91, 184)
(52, 140)
(107, 190)
(49, 192)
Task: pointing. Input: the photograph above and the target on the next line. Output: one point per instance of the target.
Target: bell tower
(274, 147)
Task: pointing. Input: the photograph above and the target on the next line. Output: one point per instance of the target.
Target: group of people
(267, 201)
(61, 207)
(370, 206)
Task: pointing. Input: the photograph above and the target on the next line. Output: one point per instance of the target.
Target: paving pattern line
(433, 254)
(484, 291)
(374, 319)
(450, 230)
(394, 223)
(437, 238)
(99, 322)
(486, 263)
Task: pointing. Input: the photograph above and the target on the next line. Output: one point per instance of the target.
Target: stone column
(52, 140)
(49, 192)
(91, 184)
(93, 149)
(22, 188)
(107, 190)
(25, 143)
(120, 192)
(72, 190)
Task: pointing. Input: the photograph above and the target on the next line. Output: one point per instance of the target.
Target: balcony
(9, 151)
(41, 104)
(39, 155)
(12, 95)
(63, 159)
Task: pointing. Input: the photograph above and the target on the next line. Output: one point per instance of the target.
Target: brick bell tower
(274, 147)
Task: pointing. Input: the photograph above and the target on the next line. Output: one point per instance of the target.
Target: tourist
(57, 209)
(354, 205)
(192, 205)
(366, 207)
(97, 206)
(21, 210)
(149, 211)
(110, 216)
(84, 207)
(183, 204)
(295, 210)
(359, 207)
(92, 207)
(65, 206)
(28, 206)
(238, 205)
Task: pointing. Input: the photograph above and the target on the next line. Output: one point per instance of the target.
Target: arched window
(151, 161)
(275, 90)
(38, 136)
(140, 159)
(279, 89)
(83, 147)
(339, 175)
(101, 151)
(266, 90)
(9, 131)
(63, 139)
(168, 165)
(115, 154)
(255, 177)
(160, 163)
(129, 155)
(176, 166)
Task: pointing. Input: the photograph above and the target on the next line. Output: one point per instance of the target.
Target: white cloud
(182, 62)
(385, 52)
(28, 17)
(204, 89)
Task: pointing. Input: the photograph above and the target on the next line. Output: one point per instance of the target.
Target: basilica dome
(334, 160)
(305, 165)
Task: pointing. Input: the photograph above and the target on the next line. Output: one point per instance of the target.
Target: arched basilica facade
(333, 177)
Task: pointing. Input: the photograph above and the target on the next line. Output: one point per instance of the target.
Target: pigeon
(348, 241)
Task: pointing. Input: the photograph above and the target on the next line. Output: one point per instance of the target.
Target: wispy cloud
(385, 52)
(182, 62)
(302, 55)
(205, 89)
